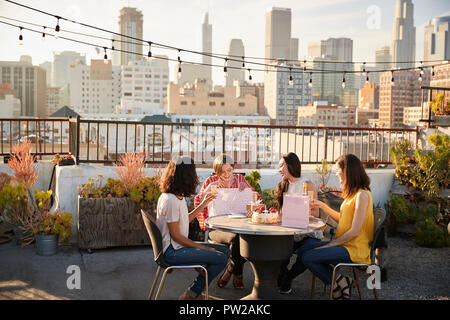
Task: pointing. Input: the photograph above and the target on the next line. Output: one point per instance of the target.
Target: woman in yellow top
(354, 232)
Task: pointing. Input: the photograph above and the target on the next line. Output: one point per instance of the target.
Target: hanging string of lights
(149, 55)
(213, 55)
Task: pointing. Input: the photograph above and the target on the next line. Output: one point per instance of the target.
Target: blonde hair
(220, 161)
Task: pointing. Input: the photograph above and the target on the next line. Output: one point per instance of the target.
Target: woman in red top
(224, 178)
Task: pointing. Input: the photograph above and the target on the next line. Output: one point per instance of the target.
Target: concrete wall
(69, 178)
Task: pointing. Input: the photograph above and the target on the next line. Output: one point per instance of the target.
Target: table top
(245, 226)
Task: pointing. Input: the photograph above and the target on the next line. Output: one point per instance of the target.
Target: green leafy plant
(14, 203)
(323, 171)
(431, 234)
(253, 178)
(440, 105)
(268, 198)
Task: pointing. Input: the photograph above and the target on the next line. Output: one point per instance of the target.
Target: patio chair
(156, 239)
(379, 215)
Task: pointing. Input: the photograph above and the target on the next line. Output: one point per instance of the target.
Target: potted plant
(440, 106)
(48, 228)
(108, 215)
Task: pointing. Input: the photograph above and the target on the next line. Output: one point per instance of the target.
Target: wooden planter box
(442, 120)
(110, 222)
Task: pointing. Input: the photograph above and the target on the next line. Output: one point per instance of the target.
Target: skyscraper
(278, 33)
(403, 38)
(236, 72)
(62, 61)
(437, 40)
(207, 48)
(131, 23)
(383, 58)
(332, 48)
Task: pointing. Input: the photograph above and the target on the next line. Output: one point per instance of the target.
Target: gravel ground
(413, 273)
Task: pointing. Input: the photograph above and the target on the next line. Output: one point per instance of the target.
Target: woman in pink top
(224, 178)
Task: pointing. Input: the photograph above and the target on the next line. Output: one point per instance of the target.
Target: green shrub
(430, 234)
(398, 207)
(268, 198)
(253, 178)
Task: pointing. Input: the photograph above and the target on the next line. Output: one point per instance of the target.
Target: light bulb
(105, 57)
(343, 83)
(310, 83)
(243, 62)
(367, 79)
(291, 81)
(249, 75)
(420, 78)
(43, 35)
(57, 29)
(20, 38)
(179, 70)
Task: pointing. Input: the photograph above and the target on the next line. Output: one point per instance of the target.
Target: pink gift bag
(295, 212)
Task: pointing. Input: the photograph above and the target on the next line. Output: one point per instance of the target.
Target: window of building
(241, 104)
(212, 103)
(183, 103)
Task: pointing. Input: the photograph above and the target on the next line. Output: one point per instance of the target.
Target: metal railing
(48, 137)
(104, 141)
(101, 141)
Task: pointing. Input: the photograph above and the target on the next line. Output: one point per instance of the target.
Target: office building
(131, 23)
(235, 71)
(437, 40)
(403, 37)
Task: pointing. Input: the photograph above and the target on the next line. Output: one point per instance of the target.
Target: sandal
(226, 275)
(337, 291)
(346, 295)
(238, 282)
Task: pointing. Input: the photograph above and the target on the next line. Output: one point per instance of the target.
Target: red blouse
(203, 215)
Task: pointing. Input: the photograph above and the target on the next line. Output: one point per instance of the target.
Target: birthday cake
(265, 216)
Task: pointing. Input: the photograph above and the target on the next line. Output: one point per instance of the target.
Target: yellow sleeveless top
(359, 247)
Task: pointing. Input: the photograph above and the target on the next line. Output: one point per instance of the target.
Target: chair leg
(355, 274)
(313, 286)
(332, 283)
(154, 283)
(161, 284)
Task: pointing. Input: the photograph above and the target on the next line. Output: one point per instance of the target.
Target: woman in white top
(178, 181)
(290, 170)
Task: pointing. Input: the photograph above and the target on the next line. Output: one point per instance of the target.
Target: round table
(265, 246)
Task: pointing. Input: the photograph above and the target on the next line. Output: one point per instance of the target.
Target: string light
(310, 80)
(179, 69)
(105, 58)
(291, 81)
(149, 55)
(432, 71)
(112, 44)
(243, 62)
(43, 34)
(57, 28)
(20, 37)
(225, 66)
(392, 79)
(343, 81)
(249, 75)
(179, 53)
(367, 78)
(364, 69)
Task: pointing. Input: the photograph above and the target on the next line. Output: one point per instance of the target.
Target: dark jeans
(318, 261)
(231, 240)
(214, 261)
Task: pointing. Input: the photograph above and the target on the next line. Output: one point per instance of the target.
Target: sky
(178, 23)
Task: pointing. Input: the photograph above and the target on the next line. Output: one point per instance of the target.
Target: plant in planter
(47, 227)
(253, 178)
(440, 105)
(109, 215)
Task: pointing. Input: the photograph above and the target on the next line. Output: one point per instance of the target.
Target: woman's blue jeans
(214, 261)
(318, 261)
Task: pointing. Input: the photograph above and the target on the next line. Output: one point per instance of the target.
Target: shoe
(187, 296)
(285, 291)
(347, 289)
(337, 291)
(226, 276)
(237, 282)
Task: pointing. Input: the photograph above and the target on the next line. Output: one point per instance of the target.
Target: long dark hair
(355, 176)
(295, 169)
(180, 177)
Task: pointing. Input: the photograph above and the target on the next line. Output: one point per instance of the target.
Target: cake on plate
(265, 216)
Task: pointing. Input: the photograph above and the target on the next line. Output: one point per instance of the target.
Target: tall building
(47, 66)
(403, 37)
(62, 62)
(332, 49)
(29, 82)
(95, 88)
(395, 98)
(294, 49)
(369, 96)
(54, 99)
(282, 99)
(327, 86)
(144, 86)
(278, 33)
(383, 58)
(441, 76)
(235, 70)
(207, 48)
(131, 23)
(437, 40)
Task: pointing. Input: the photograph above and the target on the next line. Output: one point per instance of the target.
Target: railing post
(223, 137)
(326, 142)
(74, 137)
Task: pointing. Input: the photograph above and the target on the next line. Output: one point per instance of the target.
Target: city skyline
(322, 19)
